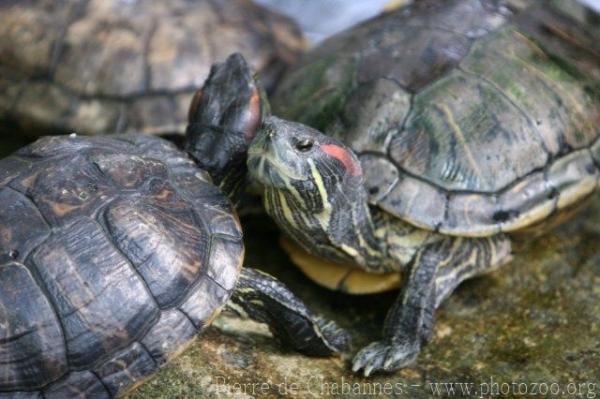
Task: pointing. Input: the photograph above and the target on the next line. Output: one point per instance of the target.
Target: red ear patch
(344, 157)
(253, 122)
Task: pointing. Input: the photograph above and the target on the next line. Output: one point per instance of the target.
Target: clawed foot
(385, 356)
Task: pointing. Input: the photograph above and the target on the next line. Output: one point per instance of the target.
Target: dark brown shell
(469, 118)
(111, 66)
(114, 253)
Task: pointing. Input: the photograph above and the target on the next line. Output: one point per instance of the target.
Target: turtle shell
(115, 66)
(469, 118)
(114, 253)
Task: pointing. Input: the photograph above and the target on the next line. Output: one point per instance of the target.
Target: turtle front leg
(265, 299)
(435, 272)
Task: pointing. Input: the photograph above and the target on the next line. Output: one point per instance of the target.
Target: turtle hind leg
(263, 298)
(435, 272)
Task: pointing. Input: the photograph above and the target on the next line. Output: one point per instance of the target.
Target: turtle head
(290, 156)
(313, 187)
(224, 117)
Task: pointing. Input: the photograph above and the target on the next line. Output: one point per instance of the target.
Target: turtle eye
(304, 145)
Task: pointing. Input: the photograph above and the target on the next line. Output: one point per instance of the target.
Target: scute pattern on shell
(112, 66)
(469, 118)
(114, 253)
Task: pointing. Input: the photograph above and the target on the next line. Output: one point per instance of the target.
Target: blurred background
(322, 18)
(595, 4)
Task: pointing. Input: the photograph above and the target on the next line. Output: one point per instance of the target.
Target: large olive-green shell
(469, 118)
(114, 253)
(115, 66)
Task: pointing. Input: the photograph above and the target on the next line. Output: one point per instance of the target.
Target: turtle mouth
(273, 161)
(270, 170)
(258, 166)
(262, 168)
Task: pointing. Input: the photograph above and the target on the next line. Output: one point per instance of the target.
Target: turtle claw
(385, 356)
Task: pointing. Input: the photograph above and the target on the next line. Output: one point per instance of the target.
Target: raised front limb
(263, 298)
(435, 272)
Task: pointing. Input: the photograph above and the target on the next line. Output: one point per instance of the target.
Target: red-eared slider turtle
(449, 125)
(116, 251)
(120, 66)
